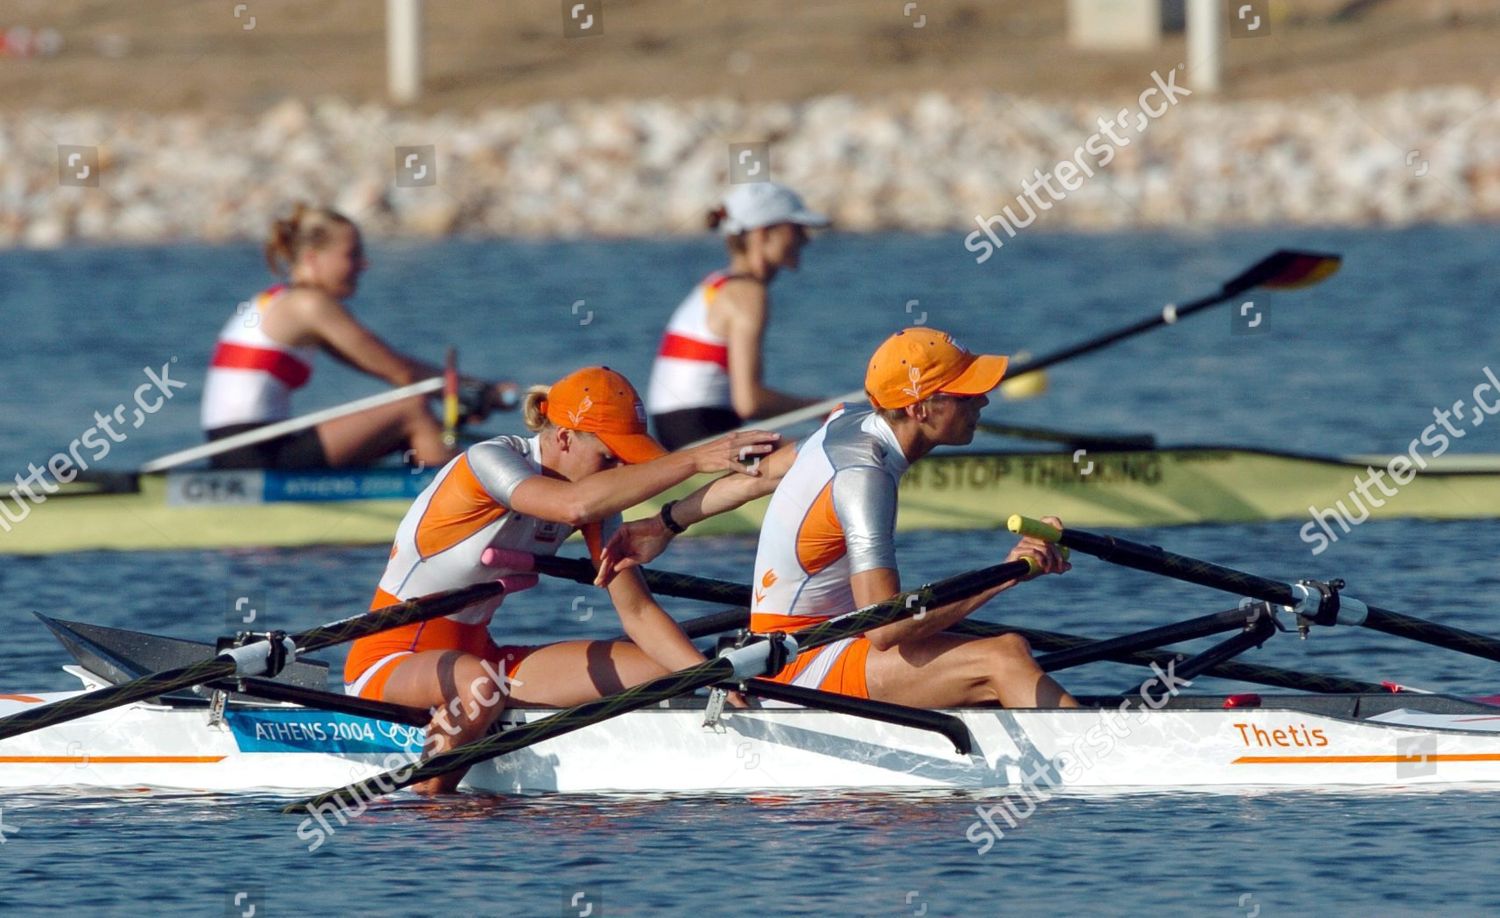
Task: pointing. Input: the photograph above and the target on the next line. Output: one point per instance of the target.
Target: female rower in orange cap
(827, 545)
(707, 375)
(265, 353)
(589, 459)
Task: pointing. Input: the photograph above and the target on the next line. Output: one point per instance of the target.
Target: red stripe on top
(290, 370)
(684, 348)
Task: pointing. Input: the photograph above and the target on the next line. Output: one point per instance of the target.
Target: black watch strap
(667, 521)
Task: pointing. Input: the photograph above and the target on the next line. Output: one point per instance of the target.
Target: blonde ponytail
(531, 408)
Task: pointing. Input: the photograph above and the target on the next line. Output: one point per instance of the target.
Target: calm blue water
(1355, 365)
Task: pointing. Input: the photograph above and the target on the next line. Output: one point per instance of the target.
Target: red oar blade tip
(1291, 270)
(1284, 270)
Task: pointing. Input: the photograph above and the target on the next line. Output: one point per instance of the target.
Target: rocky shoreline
(637, 168)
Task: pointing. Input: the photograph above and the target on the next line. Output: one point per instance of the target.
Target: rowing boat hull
(294, 750)
(953, 491)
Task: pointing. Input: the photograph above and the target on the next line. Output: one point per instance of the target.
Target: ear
(564, 438)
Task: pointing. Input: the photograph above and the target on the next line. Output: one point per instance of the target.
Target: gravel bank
(928, 161)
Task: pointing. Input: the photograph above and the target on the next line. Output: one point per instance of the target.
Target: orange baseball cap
(604, 403)
(917, 363)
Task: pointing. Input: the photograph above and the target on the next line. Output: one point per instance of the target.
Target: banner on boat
(319, 731)
(218, 488)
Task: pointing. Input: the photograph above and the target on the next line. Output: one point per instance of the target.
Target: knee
(1010, 646)
(478, 688)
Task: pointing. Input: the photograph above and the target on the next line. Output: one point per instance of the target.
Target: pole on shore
(1205, 45)
(403, 43)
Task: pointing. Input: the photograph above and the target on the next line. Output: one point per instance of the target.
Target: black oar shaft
(1423, 631)
(672, 685)
(1239, 672)
(1268, 271)
(1153, 559)
(184, 677)
(1053, 641)
(1149, 639)
(665, 583)
(1103, 341)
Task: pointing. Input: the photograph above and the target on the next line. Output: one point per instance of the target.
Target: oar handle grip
(1033, 529)
(522, 565)
(520, 561)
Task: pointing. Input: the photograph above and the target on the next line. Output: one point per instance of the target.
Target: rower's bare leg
(946, 670)
(462, 689)
(570, 673)
(360, 439)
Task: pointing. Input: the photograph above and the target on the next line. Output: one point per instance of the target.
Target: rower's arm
(880, 584)
(747, 312)
(642, 541)
(345, 338)
(730, 492)
(604, 493)
(649, 627)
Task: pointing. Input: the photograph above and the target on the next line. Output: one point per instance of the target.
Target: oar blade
(1286, 269)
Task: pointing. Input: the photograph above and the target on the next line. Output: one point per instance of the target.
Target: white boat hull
(294, 750)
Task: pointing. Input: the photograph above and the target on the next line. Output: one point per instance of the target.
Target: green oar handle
(1033, 529)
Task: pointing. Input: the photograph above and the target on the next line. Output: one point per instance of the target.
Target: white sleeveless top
(692, 363)
(251, 377)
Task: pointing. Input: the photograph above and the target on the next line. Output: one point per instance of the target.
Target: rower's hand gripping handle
(1028, 528)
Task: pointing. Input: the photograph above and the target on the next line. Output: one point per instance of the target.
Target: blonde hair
(531, 408)
(307, 228)
(889, 415)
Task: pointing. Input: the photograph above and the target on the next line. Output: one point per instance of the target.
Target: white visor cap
(756, 204)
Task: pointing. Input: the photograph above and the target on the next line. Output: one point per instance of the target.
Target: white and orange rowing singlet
(831, 517)
(438, 547)
(251, 377)
(692, 363)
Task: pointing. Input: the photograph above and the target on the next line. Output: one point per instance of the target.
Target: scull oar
(689, 586)
(754, 659)
(282, 428)
(252, 659)
(1284, 269)
(580, 570)
(1057, 641)
(1317, 602)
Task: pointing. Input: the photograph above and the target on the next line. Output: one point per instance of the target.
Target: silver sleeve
(499, 467)
(864, 500)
